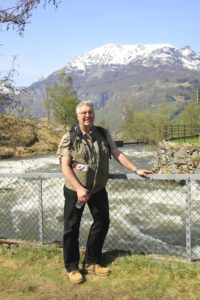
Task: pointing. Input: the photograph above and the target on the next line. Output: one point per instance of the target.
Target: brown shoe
(75, 277)
(97, 270)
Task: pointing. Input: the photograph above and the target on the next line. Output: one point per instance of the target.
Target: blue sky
(56, 36)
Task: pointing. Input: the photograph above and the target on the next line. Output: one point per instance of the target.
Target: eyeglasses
(84, 113)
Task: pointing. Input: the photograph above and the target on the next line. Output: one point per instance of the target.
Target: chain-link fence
(160, 215)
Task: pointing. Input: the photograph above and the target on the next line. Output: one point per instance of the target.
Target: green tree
(61, 101)
(190, 114)
(146, 126)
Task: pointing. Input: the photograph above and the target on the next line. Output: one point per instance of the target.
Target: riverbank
(177, 158)
(26, 138)
(23, 138)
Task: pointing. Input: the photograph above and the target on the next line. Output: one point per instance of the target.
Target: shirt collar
(82, 134)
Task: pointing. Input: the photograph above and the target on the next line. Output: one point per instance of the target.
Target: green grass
(195, 140)
(37, 272)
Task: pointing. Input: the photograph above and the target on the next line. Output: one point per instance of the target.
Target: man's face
(86, 116)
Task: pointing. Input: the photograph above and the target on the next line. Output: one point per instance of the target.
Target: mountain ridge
(116, 54)
(107, 73)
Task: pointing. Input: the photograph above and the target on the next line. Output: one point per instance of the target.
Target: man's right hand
(82, 194)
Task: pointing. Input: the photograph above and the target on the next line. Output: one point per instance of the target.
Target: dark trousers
(99, 208)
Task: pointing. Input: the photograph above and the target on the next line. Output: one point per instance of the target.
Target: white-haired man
(84, 154)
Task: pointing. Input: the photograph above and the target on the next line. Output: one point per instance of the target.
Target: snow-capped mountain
(150, 74)
(151, 55)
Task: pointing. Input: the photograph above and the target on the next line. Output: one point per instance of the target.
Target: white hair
(84, 103)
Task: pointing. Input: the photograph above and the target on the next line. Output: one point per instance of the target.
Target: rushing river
(140, 154)
(146, 216)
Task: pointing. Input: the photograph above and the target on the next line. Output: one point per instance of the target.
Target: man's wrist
(135, 171)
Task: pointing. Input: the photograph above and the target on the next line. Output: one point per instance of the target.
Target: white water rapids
(50, 163)
(146, 216)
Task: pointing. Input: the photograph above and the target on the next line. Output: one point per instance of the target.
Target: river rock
(177, 158)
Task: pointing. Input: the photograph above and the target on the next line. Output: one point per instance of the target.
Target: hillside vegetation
(23, 137)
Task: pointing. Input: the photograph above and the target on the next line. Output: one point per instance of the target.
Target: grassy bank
(194, 140)
(37, 272)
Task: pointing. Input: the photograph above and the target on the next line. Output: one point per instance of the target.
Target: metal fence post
(188, 210)
(40, 202)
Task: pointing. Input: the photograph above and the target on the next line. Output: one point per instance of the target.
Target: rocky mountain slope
(145, 74)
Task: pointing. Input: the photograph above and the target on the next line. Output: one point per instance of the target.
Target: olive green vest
(91, 150)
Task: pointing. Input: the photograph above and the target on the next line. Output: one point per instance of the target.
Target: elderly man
(84, 153)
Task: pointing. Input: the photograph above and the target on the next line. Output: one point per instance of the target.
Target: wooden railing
(175, 131)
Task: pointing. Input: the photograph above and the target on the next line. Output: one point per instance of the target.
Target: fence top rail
(111, 176)
(181, 125)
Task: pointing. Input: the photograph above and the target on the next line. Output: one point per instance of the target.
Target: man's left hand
(144, 173)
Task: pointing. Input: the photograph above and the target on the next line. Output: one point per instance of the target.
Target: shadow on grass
(109, 256)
